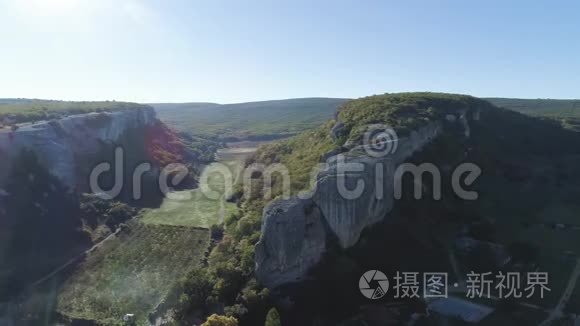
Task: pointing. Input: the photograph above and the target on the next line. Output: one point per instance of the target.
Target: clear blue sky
(232, 51)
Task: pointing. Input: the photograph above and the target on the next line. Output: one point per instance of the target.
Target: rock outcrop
(61, 145)
(286, 251)
(348, 212)
(293, 239)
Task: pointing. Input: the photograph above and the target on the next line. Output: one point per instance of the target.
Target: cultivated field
(132, 272)
(193, 207)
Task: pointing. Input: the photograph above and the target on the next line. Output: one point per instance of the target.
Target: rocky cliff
(63, 145)
(295, 231)
(45, 166)
(293, 239)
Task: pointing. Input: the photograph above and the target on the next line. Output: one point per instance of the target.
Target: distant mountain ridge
(188, 105)
(255, 120)
(252, 120)
(282, 118)
(547, 107)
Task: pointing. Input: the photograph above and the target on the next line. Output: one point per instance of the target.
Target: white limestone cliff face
(293, 240)
(59, 144)
(346, 217)
(284, 255)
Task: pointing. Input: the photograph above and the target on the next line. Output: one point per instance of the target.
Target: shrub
(273, 318)
(217, 320)
(217, 231)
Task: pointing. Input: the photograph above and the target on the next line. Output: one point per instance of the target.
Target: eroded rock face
(293, 240)
(59, 144)
(348, 212)
(343, 214)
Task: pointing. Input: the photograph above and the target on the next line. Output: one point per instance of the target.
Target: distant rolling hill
(543, 107)
(258, 120)
(274, 119)
(252, 120)
(187, 106)
(566, 112)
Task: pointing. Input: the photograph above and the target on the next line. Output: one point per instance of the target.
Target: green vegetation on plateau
(25, 110)
(401, 111)
(132, 272)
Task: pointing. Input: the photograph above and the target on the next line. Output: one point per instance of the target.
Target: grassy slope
(132, 272)
(247, 120)
(299, 154)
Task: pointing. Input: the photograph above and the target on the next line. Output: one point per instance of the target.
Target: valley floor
(135, 270)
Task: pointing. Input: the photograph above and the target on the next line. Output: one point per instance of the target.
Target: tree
(237, 310)
(273, 318)
(196, 287)
(119, 213)
(217, 320)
